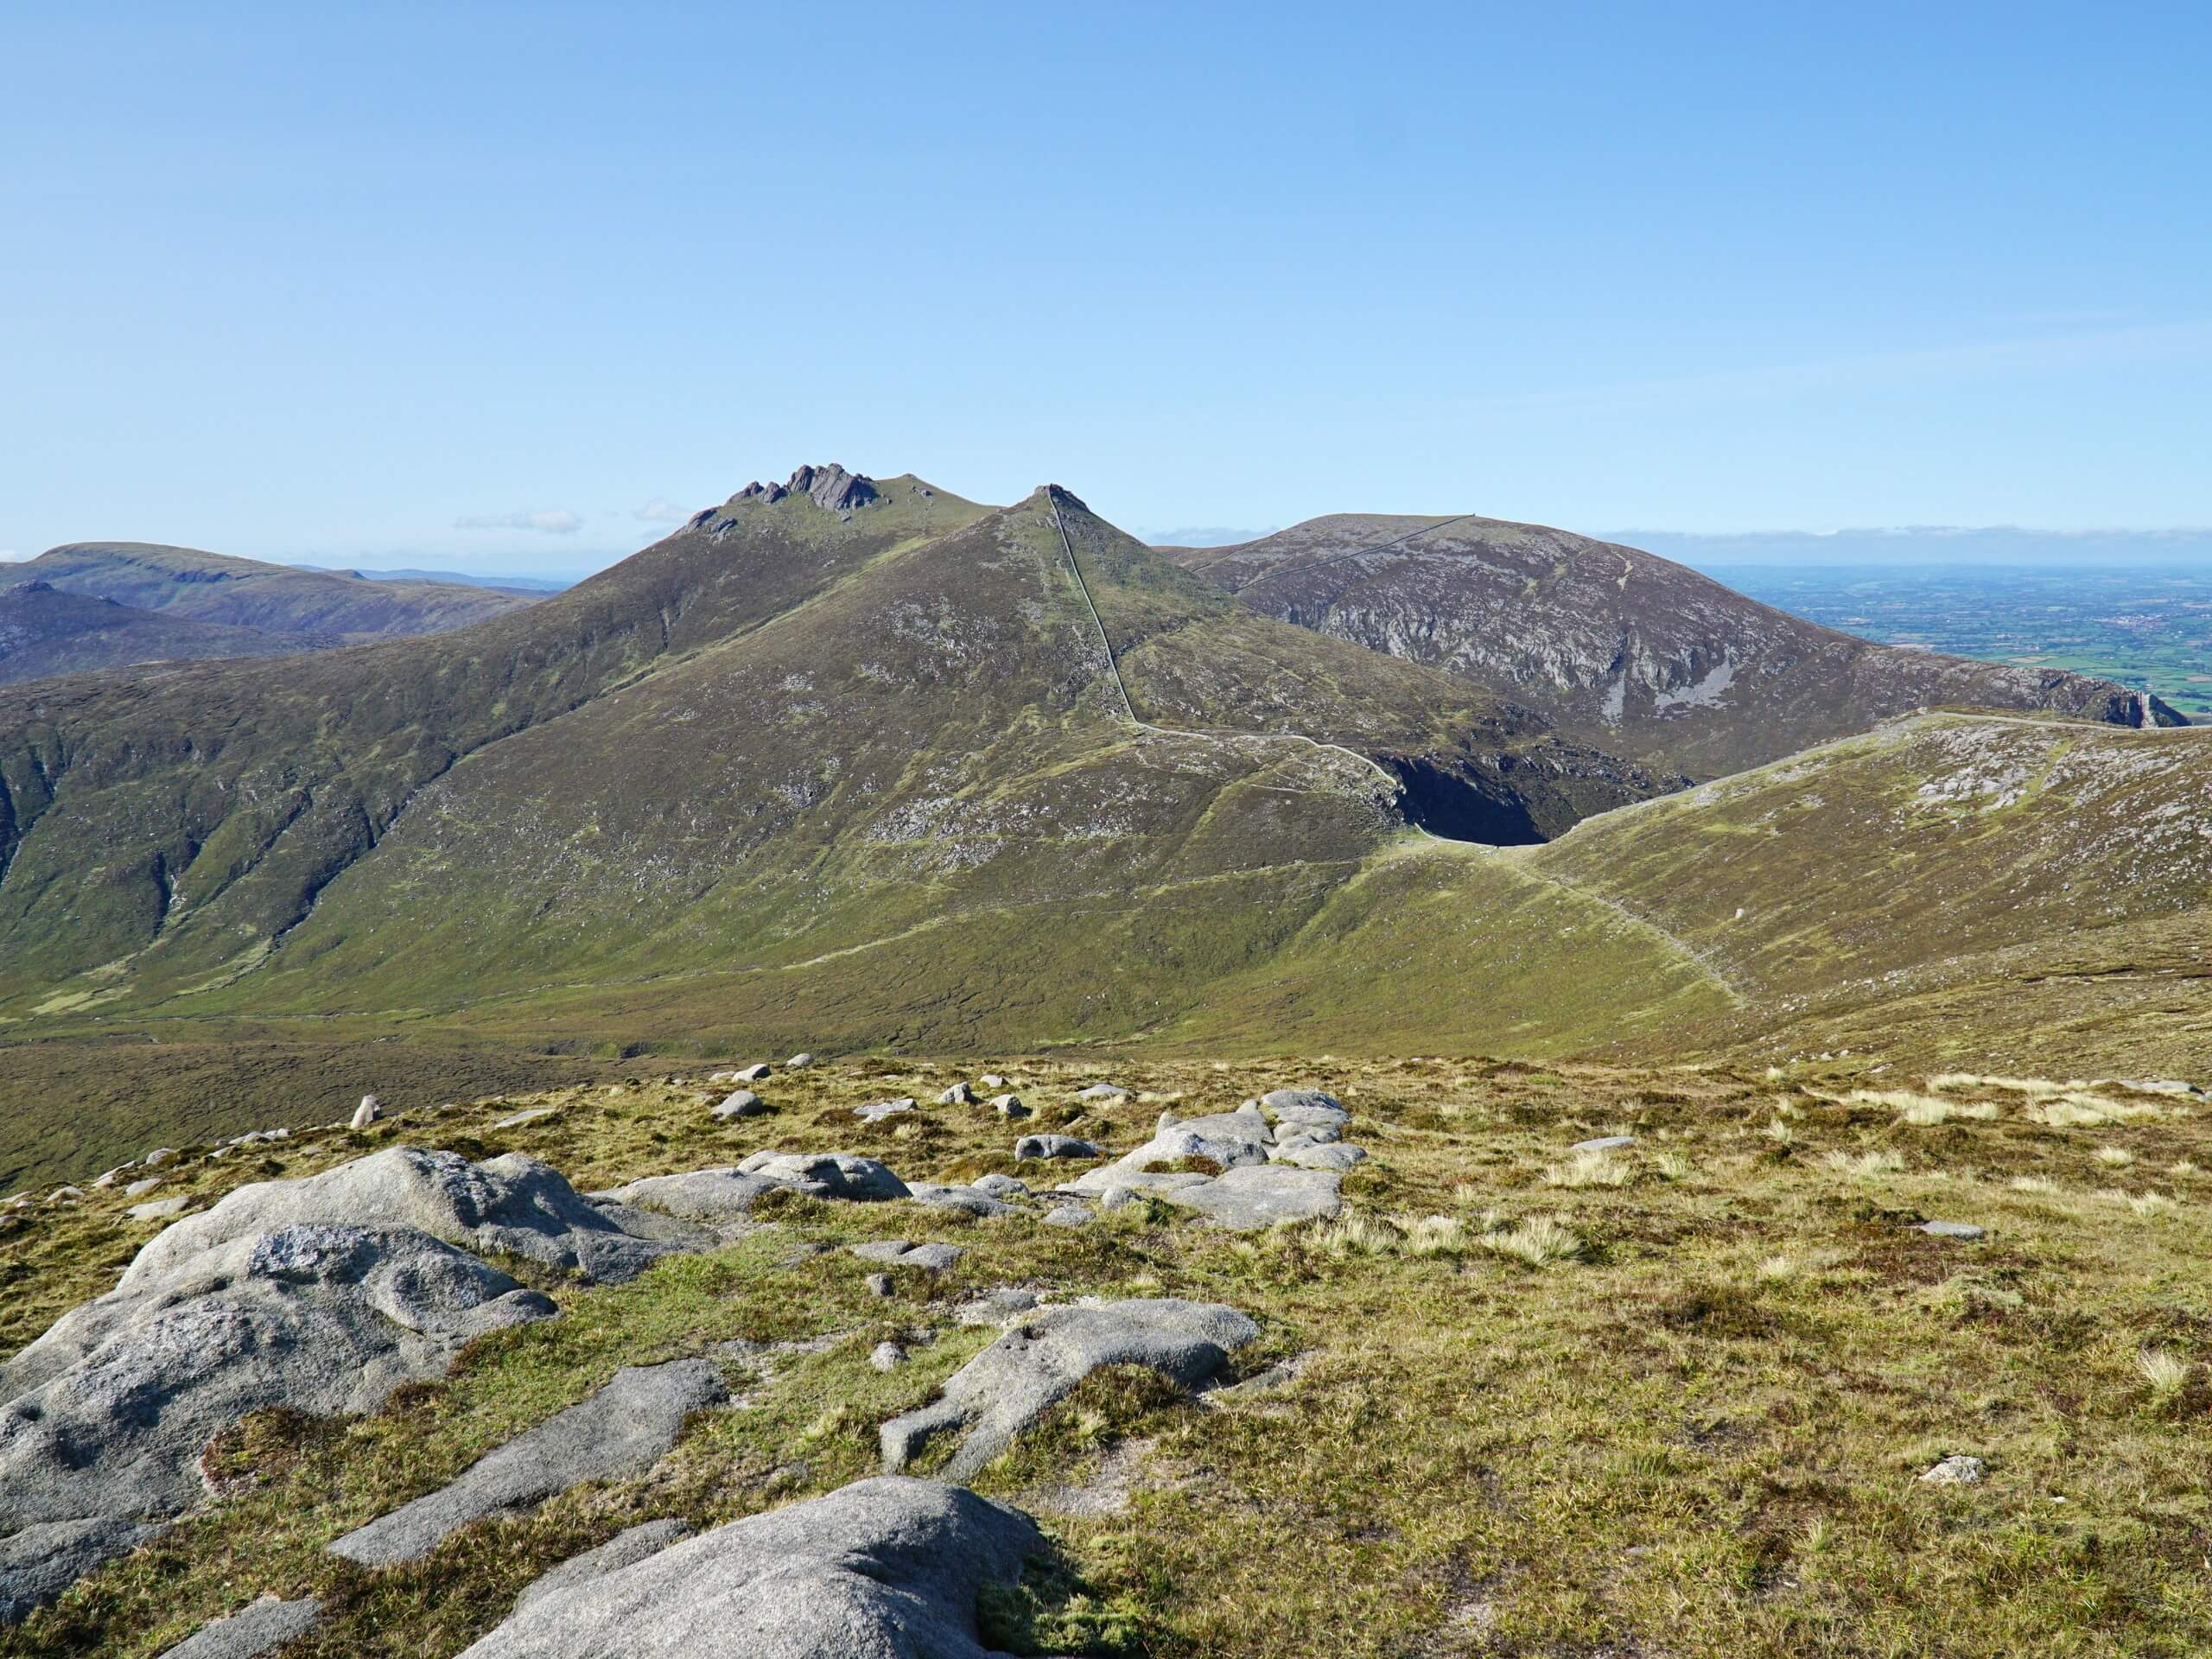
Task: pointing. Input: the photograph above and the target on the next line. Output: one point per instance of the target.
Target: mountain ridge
(46, 631)
(1627, 650)
(220, 587)
(337, 755)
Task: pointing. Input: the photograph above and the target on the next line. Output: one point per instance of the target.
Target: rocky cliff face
(1642, 656)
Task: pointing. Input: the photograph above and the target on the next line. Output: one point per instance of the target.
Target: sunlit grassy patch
(1489, 1390)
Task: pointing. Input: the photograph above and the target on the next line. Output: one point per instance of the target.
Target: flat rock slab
(514, 1206)
(1103, 1091)
(1014, 1381)
(260, 1629)
(876, 1110)
(1247, 1200)
(1321, 1156)
(997, 1307)
(38, 1562)
(970, 1200)
(621, 1431)
(158, 1209)
(1304, 1106)
(1113, 1185)
(1964, 1231)
(1032, 1146)
(257, 1303)
(625, 1549)
(828, 1174)
(534, 1114)
(701, 1195)
(898, 1253)
(887, 1569)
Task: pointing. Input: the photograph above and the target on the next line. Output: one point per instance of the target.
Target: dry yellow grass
(1503, 1386)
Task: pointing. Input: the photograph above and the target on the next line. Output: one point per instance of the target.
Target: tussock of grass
(2033, 1086)
(1541, 1242)
(1436, 1235)
(2165, 1372)
(2086, 1111)
(1591, 1169)
(1864, 1165)
(1899, 1100)
(1920, 1109)
(1357, 1233)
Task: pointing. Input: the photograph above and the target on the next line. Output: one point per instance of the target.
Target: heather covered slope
(1644, 657)
(45, 631)
(826, 715)
(917, 804)
(175, 821)
(1953, 889)
(846, 764)
(185, 583)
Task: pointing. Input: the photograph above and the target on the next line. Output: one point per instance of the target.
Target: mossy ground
(1697, 1432)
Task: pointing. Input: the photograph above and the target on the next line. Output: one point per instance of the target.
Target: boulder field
(323, 1295)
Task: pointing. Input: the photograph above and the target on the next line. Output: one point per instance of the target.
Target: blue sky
(493, 286)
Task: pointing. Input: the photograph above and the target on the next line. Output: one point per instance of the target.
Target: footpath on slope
(1128, 708)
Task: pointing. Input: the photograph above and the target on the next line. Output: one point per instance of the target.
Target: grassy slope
(994, 859)
(1957, 889)
(159, 829)
(1984, 862)
(1700, 1436)
(891, 804)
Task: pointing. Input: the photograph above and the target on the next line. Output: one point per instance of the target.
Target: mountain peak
(831, 488)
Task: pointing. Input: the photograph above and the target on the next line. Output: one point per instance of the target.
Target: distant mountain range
(104, 604)
(498, 584)
(1926, 544)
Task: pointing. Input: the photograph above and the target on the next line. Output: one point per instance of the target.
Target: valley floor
(1674, 1399)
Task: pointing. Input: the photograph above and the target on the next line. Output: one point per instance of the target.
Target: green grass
(1696, 1431)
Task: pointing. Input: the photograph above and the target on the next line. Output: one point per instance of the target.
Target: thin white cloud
(661, 510)
(554, 521)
